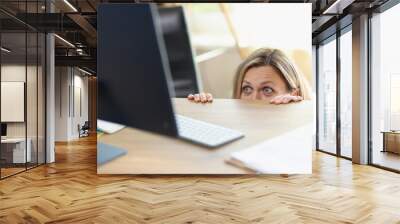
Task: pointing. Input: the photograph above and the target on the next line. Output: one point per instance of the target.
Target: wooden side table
(391, 141)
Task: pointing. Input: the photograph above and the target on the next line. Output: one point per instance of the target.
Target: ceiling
(75, 22)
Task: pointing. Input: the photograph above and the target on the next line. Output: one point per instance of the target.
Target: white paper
(108, 127)
(289, 153)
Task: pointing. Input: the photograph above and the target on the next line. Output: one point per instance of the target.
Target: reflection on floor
(346, 152)
(70, 191)
(11, 169)
(386, 159)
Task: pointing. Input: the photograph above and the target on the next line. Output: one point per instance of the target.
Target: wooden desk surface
(150, 153)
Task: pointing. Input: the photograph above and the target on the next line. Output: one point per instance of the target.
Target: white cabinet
(19, 154)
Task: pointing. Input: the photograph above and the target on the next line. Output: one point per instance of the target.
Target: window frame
(334, 37)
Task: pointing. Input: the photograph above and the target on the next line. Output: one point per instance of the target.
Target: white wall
(71, 102)
(12, 73)
(80, 103)
(61, 103)
(16, 73)
(12, 101)
(33, 126)
(283, 26)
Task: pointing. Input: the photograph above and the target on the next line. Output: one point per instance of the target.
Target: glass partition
(385, 89)
(23, 90)
(13, 109)
(327, 96)
(31, 99)
(41, 107)
(346, 94)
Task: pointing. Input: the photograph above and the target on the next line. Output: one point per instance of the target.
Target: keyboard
(204, 133)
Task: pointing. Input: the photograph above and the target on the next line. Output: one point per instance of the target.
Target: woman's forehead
(262, 72)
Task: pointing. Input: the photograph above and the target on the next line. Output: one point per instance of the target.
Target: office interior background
(48, 74)
(48, 101)
(50, 59)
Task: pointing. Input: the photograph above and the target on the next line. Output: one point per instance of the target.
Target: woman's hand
(285, 99)
(201, 97)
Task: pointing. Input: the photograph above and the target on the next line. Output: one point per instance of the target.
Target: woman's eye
(247, 90)
(267, 90)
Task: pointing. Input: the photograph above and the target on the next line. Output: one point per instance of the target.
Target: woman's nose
(255, 96)
(258, 96)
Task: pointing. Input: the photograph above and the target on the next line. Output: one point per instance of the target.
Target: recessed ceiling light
(5, 50)
(64, 40)
(337, 7)
(84, 71)
(70, 5)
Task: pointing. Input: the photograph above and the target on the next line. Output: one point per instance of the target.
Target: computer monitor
(3, 129)
(134, 80)
(179, 50)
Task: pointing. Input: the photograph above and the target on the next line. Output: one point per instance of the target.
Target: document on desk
(289, 153)
(108, 127)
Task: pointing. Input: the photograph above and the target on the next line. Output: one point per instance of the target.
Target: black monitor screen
(133, 69)
(179, 50)
(3, 129)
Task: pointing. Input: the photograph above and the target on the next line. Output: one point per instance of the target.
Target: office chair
(84, 130)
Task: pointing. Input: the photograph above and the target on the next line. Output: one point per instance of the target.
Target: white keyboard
(204, 133)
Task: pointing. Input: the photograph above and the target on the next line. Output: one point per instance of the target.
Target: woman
(267, 74)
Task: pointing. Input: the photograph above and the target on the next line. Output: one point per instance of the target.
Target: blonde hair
(265, 56)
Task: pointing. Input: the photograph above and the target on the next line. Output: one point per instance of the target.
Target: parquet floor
(10, 171)
(69, 191)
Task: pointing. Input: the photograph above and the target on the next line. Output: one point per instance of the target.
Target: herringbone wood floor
(69, 191)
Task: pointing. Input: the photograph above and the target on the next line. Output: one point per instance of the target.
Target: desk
(149, 153)
(18, 151)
